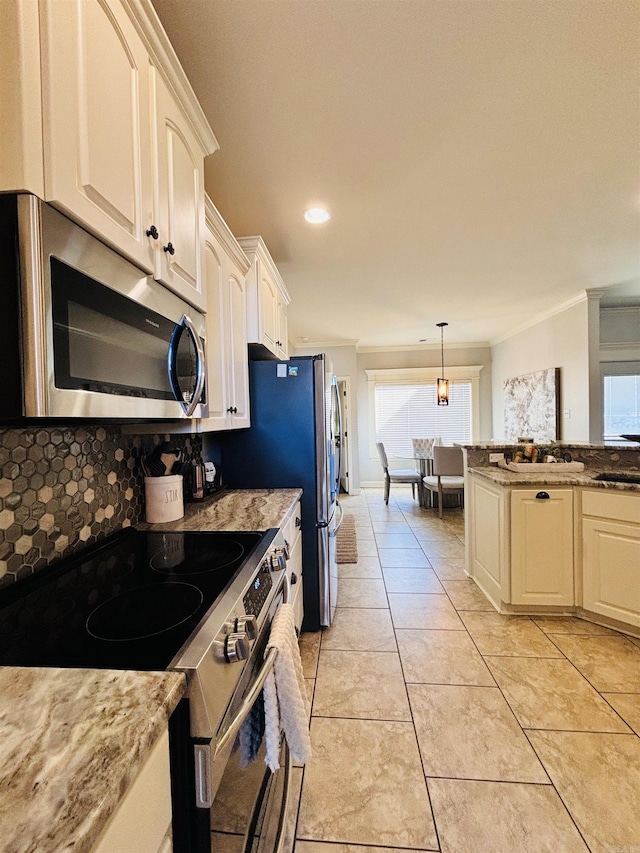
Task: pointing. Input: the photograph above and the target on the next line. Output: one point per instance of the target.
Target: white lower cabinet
(522, 544)
(142, 821)
(488, 538)
(542, 546)
(611, 555)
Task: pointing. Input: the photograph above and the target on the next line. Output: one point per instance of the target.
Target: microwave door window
(102, 353)
(104, 341)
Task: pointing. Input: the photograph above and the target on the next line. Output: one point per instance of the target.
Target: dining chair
(423, 454)
(402, 475)
(447, 475)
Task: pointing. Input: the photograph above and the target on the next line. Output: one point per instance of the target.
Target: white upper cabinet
(96, 122)
(282, 339)
(225, 267)
(117, 126)
(179, 198)
(267, 301)
(21, 166)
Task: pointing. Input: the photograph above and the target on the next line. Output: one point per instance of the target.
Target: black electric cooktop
(129, 603)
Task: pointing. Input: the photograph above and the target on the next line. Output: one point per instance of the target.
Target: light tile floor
(438, 724)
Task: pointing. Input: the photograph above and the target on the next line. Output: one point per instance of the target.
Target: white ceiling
(481, 158)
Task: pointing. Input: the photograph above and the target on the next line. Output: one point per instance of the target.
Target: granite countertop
(73, 740)
(71, 743)
(502, 477)
(236, 509)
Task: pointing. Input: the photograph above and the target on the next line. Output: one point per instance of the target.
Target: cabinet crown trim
(255, 247)
(147, 23)
(221, 230)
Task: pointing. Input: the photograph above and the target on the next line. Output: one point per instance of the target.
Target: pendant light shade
(443, 384)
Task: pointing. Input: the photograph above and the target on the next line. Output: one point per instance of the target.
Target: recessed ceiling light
(317, 215)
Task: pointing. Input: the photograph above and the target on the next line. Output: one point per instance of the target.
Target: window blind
(406, 410)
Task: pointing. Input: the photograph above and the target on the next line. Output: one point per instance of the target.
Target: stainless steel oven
(247, 802)
(86, 334)
(198, 602)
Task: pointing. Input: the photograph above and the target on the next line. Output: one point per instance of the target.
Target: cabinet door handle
(543, 496)
(169, 248)
(233, 410)
(153, 232)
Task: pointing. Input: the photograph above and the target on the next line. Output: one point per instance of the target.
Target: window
(402, 406)
(621, 400)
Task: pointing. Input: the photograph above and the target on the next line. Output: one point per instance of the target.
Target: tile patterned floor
(440, 725)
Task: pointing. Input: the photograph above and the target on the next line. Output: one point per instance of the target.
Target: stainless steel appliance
(83, 332)
(200, 603)
(294, 441)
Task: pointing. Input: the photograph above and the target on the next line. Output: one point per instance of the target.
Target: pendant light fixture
(443, 384)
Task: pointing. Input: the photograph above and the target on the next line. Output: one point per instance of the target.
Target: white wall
(558, 341)
(370, 470)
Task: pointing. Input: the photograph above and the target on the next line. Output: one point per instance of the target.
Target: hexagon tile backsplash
(62, 488)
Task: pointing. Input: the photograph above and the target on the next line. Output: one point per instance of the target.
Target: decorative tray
(539, 467)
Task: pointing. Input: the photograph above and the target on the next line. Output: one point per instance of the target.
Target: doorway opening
(344, 393)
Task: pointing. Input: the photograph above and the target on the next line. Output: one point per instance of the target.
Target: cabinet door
(238, 357)
(217, 382)
(488, 539)
(143, 818)
(268, 302)
(542, 547)
(611, 569)
(179, 195)
(96, 122)
(283, 331)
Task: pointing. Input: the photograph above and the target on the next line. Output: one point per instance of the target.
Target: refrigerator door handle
(334, 532)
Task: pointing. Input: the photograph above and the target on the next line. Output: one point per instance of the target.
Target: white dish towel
(286, 706)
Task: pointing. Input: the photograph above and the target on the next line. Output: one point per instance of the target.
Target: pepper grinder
(197, 481)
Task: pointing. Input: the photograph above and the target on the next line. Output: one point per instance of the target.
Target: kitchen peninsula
(557, 543)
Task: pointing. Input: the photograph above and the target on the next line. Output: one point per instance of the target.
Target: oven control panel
(257, 594)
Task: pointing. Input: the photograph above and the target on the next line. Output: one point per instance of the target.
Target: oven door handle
(256, 687)
(247, 704)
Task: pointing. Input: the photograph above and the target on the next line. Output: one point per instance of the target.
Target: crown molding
(343, 342)
(545, 315)
(423, 347)
(148, 25)
(255, 247)
(221, 230)
(619, 309)
(421, 374)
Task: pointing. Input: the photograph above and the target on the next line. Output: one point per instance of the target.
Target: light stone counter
(71, 743)
(502, 477)
(237, 509)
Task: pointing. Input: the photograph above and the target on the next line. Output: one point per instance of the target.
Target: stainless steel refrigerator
(294, 441)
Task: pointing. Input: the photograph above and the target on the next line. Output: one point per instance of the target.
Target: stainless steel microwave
(86, 334)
